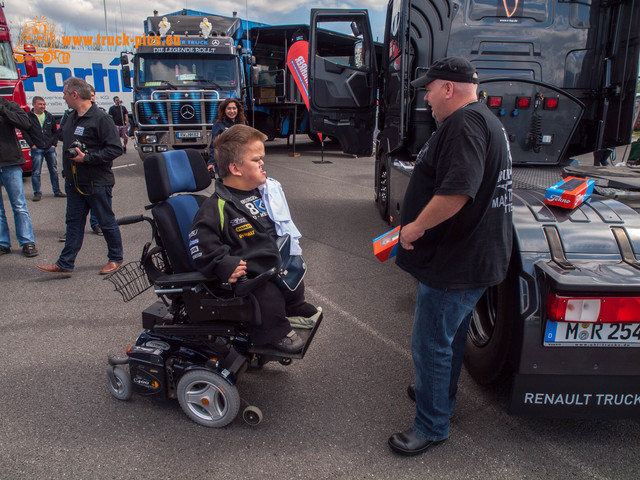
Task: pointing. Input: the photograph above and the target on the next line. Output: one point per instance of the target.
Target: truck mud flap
(577, 396)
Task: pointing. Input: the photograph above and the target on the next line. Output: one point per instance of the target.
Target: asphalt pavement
(327, 416)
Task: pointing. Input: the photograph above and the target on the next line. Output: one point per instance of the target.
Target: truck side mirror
(126, 76)
(355, 28)
(124, 59)
(29, 61)
(254, 75)
(30, 66)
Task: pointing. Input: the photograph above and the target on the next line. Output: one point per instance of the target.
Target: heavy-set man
(455, 239)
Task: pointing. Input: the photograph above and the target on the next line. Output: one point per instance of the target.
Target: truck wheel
(489, 337)
(383, 190)
(207, 399)
(265, 125)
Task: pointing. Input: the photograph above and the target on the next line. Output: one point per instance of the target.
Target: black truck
(561, 75)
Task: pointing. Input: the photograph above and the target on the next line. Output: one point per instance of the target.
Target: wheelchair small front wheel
(119, 383)
(252, 415)
(208, 399)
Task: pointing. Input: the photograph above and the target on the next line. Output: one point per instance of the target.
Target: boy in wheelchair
(233, 237)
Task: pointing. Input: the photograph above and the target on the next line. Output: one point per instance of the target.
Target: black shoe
(411, 392)
(410, 443)
(60, 194)
(63, 238)
(97, 230)
(4, 250)
(37, 197)
(29, 250)
(291, 343)
(124, 149)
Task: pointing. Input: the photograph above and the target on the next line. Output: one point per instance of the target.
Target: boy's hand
(240, 270)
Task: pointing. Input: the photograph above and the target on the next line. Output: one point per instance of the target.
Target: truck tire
(486, 356)
(265, 125)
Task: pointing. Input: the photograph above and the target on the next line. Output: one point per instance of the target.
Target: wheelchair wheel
(119, 383)
(252, 415)
(208, 399)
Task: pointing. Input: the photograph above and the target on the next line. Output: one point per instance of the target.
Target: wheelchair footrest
(269, 352)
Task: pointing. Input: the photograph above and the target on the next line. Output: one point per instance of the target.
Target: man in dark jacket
(90, 144)
(42, 138)
(121, 118)
(11, 157)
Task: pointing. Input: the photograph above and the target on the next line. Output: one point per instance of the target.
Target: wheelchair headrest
(176, 171)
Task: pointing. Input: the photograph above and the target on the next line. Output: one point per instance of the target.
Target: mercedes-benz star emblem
(187, 112)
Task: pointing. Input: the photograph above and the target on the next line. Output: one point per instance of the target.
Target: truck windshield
(188, 70)
(8, 70)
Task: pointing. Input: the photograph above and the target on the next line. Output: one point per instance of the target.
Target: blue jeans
(11, 178)
(49, 155)
(439, 336)
(98, 200)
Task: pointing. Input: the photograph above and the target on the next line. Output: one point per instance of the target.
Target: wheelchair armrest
(178, 280)
(244, 286)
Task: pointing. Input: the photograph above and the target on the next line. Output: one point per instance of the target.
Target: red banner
(297, 61)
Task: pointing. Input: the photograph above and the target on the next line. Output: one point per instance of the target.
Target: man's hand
(240, 270)
(439, 209)
(409, 234)
(79, 158)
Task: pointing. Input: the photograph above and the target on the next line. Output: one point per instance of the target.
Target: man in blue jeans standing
(455, 240)
(11, 158)
(42, 138)
(90, 144)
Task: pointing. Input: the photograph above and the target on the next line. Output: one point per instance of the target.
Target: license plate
(569, 334)
(189, 134)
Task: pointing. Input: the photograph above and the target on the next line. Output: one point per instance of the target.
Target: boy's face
(251, 173)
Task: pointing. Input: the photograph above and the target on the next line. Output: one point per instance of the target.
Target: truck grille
(174, 108)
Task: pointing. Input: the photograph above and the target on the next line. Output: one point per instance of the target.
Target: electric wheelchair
(195, 345)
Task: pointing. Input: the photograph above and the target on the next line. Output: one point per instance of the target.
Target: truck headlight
(148, 138)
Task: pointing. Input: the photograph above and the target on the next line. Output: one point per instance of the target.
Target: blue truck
(189, 61)
(185, 65)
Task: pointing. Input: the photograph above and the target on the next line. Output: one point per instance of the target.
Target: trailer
(564, 326)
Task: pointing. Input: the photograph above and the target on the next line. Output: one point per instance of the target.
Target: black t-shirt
(468, 155)
(119, 114)
(254, 204)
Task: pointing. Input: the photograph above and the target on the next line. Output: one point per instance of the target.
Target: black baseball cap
(454, 69)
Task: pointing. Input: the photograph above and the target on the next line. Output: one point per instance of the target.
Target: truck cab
(186, 65)
(564, 326)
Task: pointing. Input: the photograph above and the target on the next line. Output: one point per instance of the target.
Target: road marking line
(405, 352)
(122, 166)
